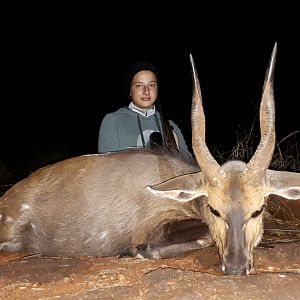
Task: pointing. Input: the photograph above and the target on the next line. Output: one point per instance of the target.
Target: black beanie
(138, 66)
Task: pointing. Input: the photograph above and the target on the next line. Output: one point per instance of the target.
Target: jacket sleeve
(108, 139)
(183, 148)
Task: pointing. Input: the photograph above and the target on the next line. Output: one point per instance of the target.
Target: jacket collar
(146, 112)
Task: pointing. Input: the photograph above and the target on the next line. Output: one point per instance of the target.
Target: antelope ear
(182, 188)
(284, 184)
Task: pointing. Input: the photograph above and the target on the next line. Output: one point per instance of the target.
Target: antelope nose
(234, 269)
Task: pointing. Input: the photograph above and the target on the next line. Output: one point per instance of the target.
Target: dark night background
(64, 72)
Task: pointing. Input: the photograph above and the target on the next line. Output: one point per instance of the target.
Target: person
(141, 124)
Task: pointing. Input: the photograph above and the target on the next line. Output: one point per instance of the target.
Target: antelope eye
(258, 212)
(214, 211)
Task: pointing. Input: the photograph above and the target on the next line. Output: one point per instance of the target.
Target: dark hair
(136, 67)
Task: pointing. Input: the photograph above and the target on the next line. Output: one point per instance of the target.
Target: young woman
(140, 124)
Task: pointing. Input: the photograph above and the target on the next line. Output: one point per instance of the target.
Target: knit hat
(138, 66)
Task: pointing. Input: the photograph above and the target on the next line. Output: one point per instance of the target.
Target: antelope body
(109, 204)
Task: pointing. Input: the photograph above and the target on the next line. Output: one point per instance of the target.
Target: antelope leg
(173, 250)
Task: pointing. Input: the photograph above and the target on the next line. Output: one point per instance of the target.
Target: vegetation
(286, 155)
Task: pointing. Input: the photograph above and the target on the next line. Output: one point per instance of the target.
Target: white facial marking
(9, 219)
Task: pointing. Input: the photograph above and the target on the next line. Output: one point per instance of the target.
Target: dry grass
(286, 157)
(287, 154)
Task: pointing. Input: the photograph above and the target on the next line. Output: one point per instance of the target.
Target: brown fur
(105, 204)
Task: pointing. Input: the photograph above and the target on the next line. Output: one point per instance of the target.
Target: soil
(194, 276)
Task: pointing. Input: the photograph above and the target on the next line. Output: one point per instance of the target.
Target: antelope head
(236, 192)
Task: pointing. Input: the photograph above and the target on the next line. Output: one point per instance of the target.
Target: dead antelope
(107, 204)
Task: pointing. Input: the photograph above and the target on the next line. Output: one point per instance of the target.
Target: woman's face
(144, 89)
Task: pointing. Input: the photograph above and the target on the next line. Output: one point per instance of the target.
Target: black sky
(64, 75)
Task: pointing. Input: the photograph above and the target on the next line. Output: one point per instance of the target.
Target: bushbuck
(119, 203)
